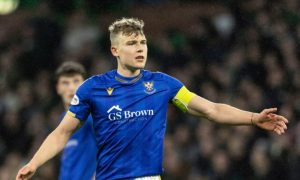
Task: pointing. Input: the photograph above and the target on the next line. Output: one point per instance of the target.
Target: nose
(73, 88)
(140, 48)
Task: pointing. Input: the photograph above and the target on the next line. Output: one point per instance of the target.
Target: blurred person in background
(78, 160)
(129, 108)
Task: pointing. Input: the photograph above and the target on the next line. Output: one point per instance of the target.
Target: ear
(114, 51)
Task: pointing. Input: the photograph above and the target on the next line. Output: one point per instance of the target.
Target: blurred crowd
(243, 53)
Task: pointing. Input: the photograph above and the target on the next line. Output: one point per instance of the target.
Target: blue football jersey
(129, 117)
(79, 158)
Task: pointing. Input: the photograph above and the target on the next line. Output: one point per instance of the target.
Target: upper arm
(194, 104)
(68, 125)
(80, 107)
(183, 98)
(187, 101)
(200, 106)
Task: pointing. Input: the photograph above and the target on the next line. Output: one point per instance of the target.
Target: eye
(131, 42)
(144, 42)
(76, 81)
(65, 83)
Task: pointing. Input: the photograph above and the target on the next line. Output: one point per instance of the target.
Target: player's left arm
(226, 114)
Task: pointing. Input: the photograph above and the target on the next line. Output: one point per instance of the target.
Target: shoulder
(97, 80)
(157, 75)
(88, 83)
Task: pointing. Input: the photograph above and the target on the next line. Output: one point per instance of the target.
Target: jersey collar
(127, 80)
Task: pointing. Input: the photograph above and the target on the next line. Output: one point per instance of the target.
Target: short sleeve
(173, 84)
(179, 94)
(80, 107)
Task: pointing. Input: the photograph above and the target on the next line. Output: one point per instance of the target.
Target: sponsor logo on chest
(116, 113)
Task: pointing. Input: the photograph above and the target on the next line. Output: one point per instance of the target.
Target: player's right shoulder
(94, 80)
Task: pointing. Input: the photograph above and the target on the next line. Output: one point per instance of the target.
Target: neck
(128, 72)
(66, 106)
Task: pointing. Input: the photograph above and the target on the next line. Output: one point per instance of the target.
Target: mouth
(140, 58)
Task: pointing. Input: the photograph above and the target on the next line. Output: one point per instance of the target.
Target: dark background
(244, 53)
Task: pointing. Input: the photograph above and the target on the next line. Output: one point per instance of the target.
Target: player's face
(66, 87)
(131, 51)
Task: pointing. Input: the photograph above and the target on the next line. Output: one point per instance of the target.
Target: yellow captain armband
(183, 98)
(71, 114)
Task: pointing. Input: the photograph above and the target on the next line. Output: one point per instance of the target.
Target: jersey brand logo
(149, 87)
(110, 90)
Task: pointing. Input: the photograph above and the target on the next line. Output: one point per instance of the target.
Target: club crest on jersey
(110, 90)
(149, 87)
(75, 100)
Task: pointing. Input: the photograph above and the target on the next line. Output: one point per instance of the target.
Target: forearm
(52, 145)
(220, 113)
(227, 114)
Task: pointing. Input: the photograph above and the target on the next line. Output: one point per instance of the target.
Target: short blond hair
(126, 26)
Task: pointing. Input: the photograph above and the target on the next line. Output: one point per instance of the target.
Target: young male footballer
(78, 160)
(129, 110)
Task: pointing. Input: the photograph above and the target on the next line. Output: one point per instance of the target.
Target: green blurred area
(29, 4)
(91, 7)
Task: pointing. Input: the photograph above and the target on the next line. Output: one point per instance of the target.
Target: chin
(136, 66)
(140, 67)
(68, 100)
